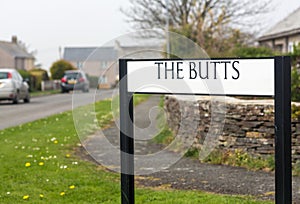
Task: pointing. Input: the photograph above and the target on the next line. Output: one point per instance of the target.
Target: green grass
(44, 93)
(47, 147)
(139, 98)
(164, 137)
(242, 159)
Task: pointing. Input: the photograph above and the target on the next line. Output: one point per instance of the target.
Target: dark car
(74, 80)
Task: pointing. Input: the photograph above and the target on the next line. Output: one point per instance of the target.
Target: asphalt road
(40, 107)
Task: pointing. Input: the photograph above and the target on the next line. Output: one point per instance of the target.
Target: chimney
(14, 39)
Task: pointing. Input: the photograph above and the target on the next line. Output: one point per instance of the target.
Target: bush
(37, 76)
(93, 81)
(295, 82)
(59, 67)
(245, 51)
(25, 74)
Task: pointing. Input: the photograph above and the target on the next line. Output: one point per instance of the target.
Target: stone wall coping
(226, 99)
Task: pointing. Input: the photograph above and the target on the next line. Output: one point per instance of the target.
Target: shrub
(245, 51)
(59, 67)
(37, 76)
(25, 74)
(295, 82)
(93, 81)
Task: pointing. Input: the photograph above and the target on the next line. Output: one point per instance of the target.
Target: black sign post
(282, 95)
(283, 172)
(126, 138)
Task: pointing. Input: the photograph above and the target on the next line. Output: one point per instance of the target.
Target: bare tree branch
(202, 20)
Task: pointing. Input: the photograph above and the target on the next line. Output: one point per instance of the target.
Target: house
(13, 55)
(94, 61)
(284, 35)
(102, 62)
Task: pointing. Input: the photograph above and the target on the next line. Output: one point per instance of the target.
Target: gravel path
(185, 173)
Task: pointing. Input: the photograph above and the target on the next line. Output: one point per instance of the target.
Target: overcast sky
(44, 25)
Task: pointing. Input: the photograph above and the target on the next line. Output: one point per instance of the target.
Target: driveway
(186, 173)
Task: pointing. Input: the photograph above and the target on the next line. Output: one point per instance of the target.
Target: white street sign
(209, 77)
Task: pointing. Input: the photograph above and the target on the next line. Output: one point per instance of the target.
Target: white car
(13, 87)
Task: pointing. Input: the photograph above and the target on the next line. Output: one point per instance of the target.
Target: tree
(206, 22)
(59, 67)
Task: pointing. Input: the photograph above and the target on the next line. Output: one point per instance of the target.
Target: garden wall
(248, 125)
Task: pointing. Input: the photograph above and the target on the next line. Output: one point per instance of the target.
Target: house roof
(14, 50)
(288, 26)
(90, 53)
(131, 41)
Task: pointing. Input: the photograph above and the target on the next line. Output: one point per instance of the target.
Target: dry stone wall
(246, 125)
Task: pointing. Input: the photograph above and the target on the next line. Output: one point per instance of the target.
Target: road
(40, 107)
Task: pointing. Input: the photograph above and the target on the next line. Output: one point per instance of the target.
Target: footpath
(186, 173)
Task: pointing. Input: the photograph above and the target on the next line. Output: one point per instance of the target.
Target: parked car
(74, 80)
(13, 87)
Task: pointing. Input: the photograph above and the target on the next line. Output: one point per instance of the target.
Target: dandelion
(41, 195)
(68, 155)
(71, 187)
(25, 197)
(27, 164)
(63, 166)
(36, 149)
(41, 163)
(55, 141)
(62, 193)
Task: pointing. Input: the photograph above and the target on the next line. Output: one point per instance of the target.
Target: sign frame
(282, 126)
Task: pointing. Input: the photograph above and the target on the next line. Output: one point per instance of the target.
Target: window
(79, 65)
(104, 64)
(102, 79)
(279, 48)
(291, 47)
(3, 75)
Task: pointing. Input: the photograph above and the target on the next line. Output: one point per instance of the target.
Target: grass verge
(39, 165)
(44, 93)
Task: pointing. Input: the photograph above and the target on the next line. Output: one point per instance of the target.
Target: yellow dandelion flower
(62, 193)
(68, 155)
(71, 187)
(41, 195)
(25, 197)
(55, 141)
(27, 164)
(41, 163)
